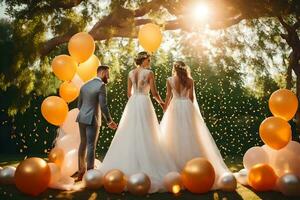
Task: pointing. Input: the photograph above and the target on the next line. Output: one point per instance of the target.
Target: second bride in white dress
(135, 147)
(185, 135)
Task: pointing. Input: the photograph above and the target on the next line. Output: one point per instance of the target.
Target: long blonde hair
(182, 71)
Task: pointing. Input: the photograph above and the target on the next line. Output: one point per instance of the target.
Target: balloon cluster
(198, 176)
(73, 70)
(275, 165)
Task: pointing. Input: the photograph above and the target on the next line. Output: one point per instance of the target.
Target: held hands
(113, 125)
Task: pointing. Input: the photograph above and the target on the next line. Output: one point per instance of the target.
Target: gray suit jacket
(92, 102)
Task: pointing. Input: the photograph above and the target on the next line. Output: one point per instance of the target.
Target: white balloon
(289, 184)
(93, 179)
(70, 164)
(228, 182)
(242, 176)
(7, 175)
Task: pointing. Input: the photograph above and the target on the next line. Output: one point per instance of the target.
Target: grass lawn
(242, 192)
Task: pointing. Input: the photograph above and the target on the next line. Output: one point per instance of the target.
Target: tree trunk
(289, 78)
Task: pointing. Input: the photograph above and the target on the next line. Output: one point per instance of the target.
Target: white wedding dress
(185, 135)
(135, 147)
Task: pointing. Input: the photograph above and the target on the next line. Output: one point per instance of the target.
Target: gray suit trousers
(89, 136)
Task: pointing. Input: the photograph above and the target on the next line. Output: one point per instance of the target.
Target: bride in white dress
(185, 135)
(135, 147)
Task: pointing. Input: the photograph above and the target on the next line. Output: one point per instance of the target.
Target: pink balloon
(77, 81)
(70, 126)
(64, 183)
(287, 159)
(55, 173)
(70, 164)
(67, 143)
(253, 156)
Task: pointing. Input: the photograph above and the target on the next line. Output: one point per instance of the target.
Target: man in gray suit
(92, 104)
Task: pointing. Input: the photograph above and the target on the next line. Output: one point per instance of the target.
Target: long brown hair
(182, 71)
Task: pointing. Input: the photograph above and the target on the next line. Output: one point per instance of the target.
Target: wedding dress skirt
(186, 136)
(135, 147)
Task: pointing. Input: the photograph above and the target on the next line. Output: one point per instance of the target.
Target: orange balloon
(198, 175)
(56, 156)
(88, 69)
(114, 181)
(275, 132)
(81, 46)
(283, 103)
(68, 91)
(32, 176)
(64, 67)
(150, 37)
(54, 110)
(262, 177)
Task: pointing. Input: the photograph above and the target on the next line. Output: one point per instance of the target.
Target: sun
(200, 12)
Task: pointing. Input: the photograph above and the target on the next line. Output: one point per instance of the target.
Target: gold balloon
(32, 176)
(114, 181)
(88, 69)
(150, 37)
(173, 182)
(138, 184)
(198, 175)
(68, 91)
(262, 177)
(64, 67)
(275, 132)
(81, 46)
(54, 110)
(283, 103)
(56, 156)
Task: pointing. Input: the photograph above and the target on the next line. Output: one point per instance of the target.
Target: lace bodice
(141, 85)
(184, 93)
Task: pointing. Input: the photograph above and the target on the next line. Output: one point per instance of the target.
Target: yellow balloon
(32, 176)
(64, 67)
(54, 110)
(275, 132)
(150, 37)
(68, 91)
(198, 175)
(81, 46)
(88, 69)
(283, 103)
(262, 177)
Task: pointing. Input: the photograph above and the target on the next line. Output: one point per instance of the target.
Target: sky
(2, 10)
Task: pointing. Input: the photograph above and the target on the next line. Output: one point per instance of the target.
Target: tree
(40, 27)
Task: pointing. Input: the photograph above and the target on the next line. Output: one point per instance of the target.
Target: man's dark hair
(102, 68)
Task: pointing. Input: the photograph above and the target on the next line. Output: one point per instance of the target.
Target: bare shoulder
(150, 73)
